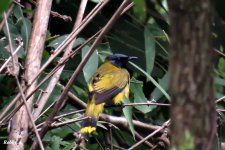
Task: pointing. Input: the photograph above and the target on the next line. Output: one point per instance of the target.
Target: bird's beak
(132, 58)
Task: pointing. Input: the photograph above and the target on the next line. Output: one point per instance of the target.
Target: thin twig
(138, 136)
(63, 115)
(20, 88)
(165, 125)
(68, 122)
(45, 110)
(69, 113)
(118, 147)
(7, 13)
(111, 137)
(220, 99)
(7, 61)
(220, 110)
(16, 2)
(148, 103)
(122, 122)
(219, 52)
(55, 14)
(99, 143)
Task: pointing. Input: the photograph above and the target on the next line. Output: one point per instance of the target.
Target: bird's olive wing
(108, 85)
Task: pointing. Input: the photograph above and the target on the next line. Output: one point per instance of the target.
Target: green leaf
(14, 32)
(18, 13)
(96, 1)
(164, 83)
(56, 142)
(24, 26)
(149, 50)
(3, 52)
(69, 146)
(25, 32)
(127, 111)
(221, 66)
(56, 42)
(91, 65)
(219, 81)
(4, 4)
(122, 40)
(152, 80)
(139, 9)
(139, 97)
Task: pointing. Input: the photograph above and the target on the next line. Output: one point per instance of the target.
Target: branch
(122, 122)
(18, 84)
(165, 125)
(55, 77)
(147, 103)
(14, 53)
(55, 14)
(20, 121)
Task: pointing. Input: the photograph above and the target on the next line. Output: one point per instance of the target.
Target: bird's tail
(92, 112)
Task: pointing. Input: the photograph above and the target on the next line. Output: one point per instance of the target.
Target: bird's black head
(120, 60)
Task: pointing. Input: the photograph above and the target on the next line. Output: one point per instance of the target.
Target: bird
(111, 81)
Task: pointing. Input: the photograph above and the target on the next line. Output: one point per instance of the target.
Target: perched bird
(111, 81)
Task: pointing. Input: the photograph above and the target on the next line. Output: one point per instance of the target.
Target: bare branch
(55, 78)
(20, 121)
(18, 84)
(165, 125)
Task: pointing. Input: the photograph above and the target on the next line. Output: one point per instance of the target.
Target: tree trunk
(193, 112)
(20, 121)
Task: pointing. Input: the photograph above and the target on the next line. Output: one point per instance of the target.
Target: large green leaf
(128, 38)
(221, 67)
(4, 54)
(56, 42)
(4, 4)
(14, 30)
(56, 141)
(149, 49)
(127, 111)
(139, 97)
(164, 83)
(17, 12)
(139, 9)
(25, 32)
(152, 80)
(91, 65)
(69, 146)
(219, 81)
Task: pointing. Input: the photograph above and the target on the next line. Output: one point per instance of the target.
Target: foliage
(141, 32)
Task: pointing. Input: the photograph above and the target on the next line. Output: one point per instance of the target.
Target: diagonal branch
(165, 125)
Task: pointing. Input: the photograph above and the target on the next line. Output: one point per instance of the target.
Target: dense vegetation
(142, 31)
